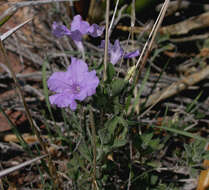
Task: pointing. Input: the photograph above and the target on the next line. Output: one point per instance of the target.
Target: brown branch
(177, 87)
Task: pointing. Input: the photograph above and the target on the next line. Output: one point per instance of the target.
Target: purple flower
(78, 29)
(131, 54)
(116, 52)
(74, 84)
(96, 30)
(60, 30)
(78, 25)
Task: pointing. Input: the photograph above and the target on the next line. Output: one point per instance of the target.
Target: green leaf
(108, 132)
(84, 150)
(121, 139)
(105, 136)
(136, 100)
(155, 144)
(73, 167)
(46, 92)
(206, 155)
(154, 179)
(200, 115)
(184, 133)
(119, 142)
(111, 124)
(146, 138)
(192, 105)
(123, 122)
(110, 72)
(117, 86)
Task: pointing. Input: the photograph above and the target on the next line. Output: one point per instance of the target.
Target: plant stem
(106, 39)
(94, 148)
(91, 10)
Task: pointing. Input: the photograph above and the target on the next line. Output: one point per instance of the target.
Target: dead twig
(196, 22)
(15, 168)
(177, 87)
(11, 31)
(180, 28)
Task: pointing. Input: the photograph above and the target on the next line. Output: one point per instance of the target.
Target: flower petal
(58, 82)
(59, 30)
(90, 83)
(76, 36)
(131, 54)
(115, 52)
(73, 105)
(102, 45)
(96, 30)
(77, 69)
(62, 100)
(79, 25)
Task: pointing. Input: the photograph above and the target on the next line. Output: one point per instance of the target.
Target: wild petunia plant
(78, 83)
(100, 126)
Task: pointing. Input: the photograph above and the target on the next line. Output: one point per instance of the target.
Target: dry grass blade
(113, 17)
(148, 45)
(15, 168)
(11, 31)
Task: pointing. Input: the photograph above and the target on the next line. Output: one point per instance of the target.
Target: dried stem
(133, 19)
(131, 159)
(147, 47)
(106, 39)
(91, 10)
(94, 148)
(154, 32)
(113, 17)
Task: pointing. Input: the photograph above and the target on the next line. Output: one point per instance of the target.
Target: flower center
(76, 88)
